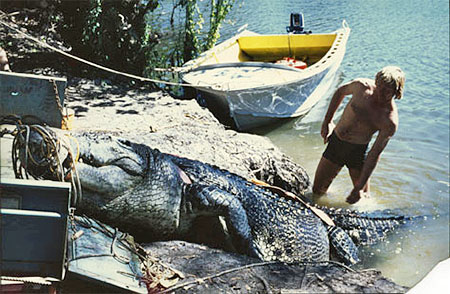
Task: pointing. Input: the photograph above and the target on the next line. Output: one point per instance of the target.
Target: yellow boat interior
(308, 48)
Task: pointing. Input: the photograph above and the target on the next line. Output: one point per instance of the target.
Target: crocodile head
(104, 164)
(121, 181)
(108, 165)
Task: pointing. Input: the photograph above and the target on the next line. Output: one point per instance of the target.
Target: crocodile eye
(126, 142)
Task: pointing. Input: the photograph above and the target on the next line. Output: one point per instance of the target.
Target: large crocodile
(143, 191)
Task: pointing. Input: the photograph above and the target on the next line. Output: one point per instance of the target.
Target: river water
(413, 173)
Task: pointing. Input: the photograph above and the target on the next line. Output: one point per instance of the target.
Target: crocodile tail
(366, 228)
(344, 246)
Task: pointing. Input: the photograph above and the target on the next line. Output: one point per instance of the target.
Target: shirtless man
(371, 109)
(4, 61)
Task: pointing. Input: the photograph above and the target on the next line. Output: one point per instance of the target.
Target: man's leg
(354, 175)
(325, 173)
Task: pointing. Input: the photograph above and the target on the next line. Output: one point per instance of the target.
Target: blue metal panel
(33, 227)
(35, 195)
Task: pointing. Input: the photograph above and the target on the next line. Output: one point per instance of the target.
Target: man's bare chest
(365, 115)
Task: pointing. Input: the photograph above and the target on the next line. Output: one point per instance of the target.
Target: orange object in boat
(292, 63)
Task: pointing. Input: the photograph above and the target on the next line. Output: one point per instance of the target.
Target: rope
(36, 152)
(142, 79)
(58, 102)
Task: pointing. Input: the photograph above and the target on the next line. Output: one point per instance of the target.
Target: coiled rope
(36, 151)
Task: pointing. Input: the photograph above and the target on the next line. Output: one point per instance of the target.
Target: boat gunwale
(246, 64)
(336, 50)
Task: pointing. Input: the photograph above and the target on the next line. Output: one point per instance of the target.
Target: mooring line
(140, 78)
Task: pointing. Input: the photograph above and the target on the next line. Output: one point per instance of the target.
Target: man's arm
(336, 100)
(371, 161)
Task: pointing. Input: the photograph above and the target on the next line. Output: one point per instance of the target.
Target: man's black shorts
(345, 153)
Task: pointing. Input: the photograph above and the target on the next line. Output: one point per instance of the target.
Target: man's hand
(354, 196)
(327, 129)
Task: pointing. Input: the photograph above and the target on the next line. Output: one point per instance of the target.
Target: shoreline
(183, 128)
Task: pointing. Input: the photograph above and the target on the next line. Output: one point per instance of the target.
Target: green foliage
(193, 29)
(114, 32)
(219, 11)
(127, 35)
(194, 26)
(92, 29)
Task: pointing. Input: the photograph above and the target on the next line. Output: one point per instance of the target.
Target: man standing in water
(371, 109)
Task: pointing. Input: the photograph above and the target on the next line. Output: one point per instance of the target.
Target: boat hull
(254, 94)
(254, 107)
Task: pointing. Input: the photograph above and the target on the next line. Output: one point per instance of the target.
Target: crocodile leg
(343, 244)
(210, 200)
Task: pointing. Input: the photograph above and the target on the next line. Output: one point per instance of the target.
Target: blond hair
(394, 77)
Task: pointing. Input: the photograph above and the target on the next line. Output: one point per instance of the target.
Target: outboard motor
(297, 24)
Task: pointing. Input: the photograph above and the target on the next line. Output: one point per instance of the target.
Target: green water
(413, 173)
